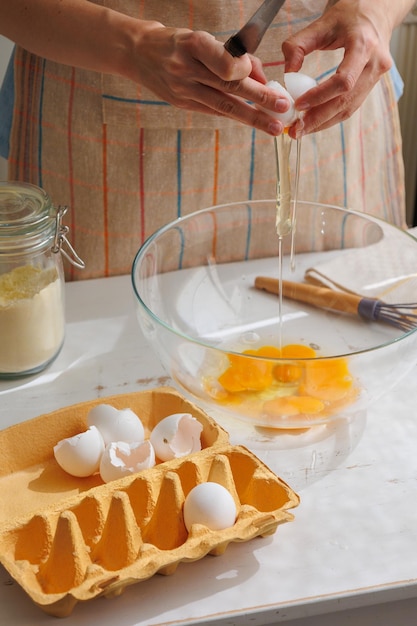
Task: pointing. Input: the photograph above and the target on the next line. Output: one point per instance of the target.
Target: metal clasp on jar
(61, 232)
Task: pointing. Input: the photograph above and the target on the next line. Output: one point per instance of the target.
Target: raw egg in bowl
(283, 332)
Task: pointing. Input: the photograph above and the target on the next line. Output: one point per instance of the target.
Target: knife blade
(248, 38)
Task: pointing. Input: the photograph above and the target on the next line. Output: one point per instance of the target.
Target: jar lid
(27, 218)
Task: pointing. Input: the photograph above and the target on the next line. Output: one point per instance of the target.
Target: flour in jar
(32, 321)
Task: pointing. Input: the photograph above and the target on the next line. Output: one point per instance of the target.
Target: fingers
(364, 36)
(320, 35)
(299, 46)
(336, 99)
(257, 72)
(341, 95)
(246, 101)
(252, 91)
(233, 100)
(341, 87)
(235, 82)
(192, 70)
(200, 75)
(330, 111)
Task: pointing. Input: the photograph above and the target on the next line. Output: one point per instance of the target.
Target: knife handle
(248, 38)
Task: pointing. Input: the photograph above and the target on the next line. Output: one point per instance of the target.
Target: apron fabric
(126, 163)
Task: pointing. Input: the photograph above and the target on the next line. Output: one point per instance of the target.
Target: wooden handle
(321, 297)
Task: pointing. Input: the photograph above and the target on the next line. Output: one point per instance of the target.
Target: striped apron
(127, 163)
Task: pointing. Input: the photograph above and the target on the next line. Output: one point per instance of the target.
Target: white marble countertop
(351, 547)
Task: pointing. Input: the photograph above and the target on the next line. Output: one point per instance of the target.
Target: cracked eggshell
(116, 424)
(176, 436)
(290, 116)
(211, 505)
(80, 455)
(122, 459)
(296, 84)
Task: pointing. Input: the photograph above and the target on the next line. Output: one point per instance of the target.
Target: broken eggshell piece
(122, 459)
(116, 424)
(176, 436)
(66, 545)
(80, 455)
(296, 85)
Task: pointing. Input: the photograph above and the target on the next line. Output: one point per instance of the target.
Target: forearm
(394, 10)
(188, 69)
(74, 32)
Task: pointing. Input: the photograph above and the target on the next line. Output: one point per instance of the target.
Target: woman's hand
(192, 70)
(363, 28)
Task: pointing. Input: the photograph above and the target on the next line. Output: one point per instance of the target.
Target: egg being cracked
(80, 455)
(176, 435)
(116, 424)
(296, 84)
(122, 459)
(211, 505)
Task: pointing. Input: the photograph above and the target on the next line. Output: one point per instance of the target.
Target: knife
(248, 38)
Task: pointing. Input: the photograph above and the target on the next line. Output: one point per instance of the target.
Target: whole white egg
(121, 459)
(211, 505)
(176, 435)
(116, 424)
(80, 455)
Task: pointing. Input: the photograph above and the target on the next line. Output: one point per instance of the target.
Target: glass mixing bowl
(273, 360)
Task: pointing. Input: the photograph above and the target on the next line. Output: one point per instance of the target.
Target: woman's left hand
(363, 28)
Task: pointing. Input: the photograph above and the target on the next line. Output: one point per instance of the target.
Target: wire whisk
(402, 316)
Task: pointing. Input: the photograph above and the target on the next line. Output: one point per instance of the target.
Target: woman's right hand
(192, 70)
(188, 69)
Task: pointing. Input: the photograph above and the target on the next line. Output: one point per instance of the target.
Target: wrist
(134, 35)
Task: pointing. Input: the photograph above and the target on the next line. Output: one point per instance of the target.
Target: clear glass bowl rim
(203, 344)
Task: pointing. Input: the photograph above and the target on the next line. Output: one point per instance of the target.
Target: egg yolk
(303, 385)
(329, 380)
(292, 372)
(249, 374)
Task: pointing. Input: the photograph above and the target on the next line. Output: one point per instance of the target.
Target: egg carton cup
(67, 540)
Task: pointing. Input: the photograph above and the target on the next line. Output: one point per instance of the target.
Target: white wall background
(5, 51)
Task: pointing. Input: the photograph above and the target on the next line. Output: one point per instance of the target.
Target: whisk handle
(321, 297)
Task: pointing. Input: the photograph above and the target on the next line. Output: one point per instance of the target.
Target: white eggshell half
(122, 459)
(297, 84)
(176, 435)
(290, 116)
(115, 424)
(211, 505)
(80, 455)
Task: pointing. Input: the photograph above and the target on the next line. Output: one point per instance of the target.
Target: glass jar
(32, 316)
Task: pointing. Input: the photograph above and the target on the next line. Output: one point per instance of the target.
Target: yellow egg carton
(67, 540)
